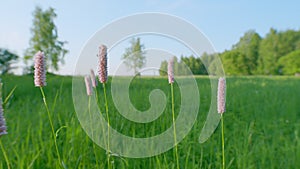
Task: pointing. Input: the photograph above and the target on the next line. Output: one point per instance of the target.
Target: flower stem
(98, 104)
(108, 126)
(91, 119)
(223, 142)
(173, 117)
(96, 92)
(5, 155)
(51, 124)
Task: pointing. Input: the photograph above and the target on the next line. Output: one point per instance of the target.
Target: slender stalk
(108, 126)
(91, 119)
(89, 109)
(223, 142)
(96, 93)
(98, 103)
(5, 155)
(51, 124)
(173, 117)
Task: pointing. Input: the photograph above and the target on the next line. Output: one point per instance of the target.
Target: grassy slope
(262, 126)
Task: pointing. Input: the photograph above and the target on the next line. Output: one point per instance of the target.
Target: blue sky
(223, 22)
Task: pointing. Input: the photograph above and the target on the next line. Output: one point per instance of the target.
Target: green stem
(98, 104)
(5, 155)
(96, 92)
(108, 126)
(173, 117)
(51, 124)
(223, 143)
(91, 119)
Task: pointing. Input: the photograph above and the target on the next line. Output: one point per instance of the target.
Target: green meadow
(262, 126)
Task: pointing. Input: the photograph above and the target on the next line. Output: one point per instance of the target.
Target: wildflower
(39, 69)
(171, 70)
(88, 85)
(93, 79)
(102, 65)
(221, 95)
(3, 127)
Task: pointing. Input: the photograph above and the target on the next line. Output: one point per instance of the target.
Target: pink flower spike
(102, 64)
(39, 69)
(88, 85)
(3, 128)
(221, 95)
(93, 79)
(171, 70)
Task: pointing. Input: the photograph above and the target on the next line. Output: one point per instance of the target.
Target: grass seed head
(39, 69)
(102, 65)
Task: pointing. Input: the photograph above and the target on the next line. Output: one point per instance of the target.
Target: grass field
(262, 126)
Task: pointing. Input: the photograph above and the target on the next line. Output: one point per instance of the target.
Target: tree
(134, 56)
(6, 60)
(274, 46)
(195, 64)
(212, 64)
(248, 45)
(163, 70)
(290, 63)
(275, 54)
(234, 63)
(181, 67)
(45, 38)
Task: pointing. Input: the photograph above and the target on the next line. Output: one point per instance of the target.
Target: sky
(223, 22)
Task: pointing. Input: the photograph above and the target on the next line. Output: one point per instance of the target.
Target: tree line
(278, 53)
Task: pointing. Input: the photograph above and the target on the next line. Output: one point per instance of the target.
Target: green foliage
(134, 56)
(180, 67)
(269, 54)
(248, 51)
(45, 38)
(163, 70)
(290, 64)
(274, 46)
(215, 66)
(235, 63)
(195, 64)
(6, 60)
(242, 58)
(252, 55)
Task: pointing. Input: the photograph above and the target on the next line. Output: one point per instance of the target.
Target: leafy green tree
(163, 70)
(177, 66)
(208, 60)
(290, 63)
(180, 67)
(248, 46)
(134, 56)
(251, 55)
(6, 60)
(45, 38)
(289, 41)
(268, 53)
(274, 46)
(195, 64)
(212, 63)
(235, 63)
(191, 63)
